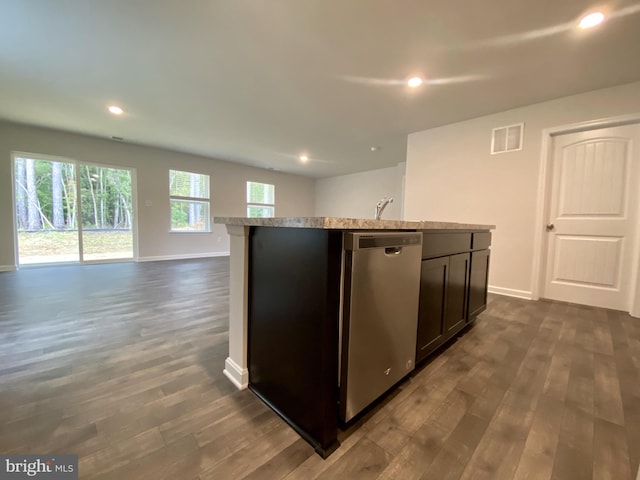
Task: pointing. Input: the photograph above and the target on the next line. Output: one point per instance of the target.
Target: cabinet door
(478, 280)
(433, 286)
(456, 296)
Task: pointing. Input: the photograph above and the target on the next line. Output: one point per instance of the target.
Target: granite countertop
(337, 223)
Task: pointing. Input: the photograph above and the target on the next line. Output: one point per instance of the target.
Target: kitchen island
(286, 284)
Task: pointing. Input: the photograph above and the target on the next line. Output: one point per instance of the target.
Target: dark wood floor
(122, 364)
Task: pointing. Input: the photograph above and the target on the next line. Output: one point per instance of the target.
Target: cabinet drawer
(439, 244)
(481, 241)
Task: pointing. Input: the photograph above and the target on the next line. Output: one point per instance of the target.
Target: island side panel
(236, 363)
(294, 296)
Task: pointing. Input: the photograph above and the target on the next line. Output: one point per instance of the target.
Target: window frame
(191, 200)
(258, 204)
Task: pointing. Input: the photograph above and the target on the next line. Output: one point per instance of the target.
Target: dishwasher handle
(389, 251)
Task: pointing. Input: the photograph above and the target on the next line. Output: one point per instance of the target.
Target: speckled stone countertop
(337, 223)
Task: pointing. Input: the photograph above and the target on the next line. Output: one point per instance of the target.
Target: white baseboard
(239, 376)
(7, 268)
(185, 256)
(510, 292)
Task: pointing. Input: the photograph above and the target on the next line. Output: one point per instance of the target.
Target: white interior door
(593, 215)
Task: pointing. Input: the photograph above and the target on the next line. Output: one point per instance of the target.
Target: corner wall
(356, 195)
(451, 176)
(294, 194)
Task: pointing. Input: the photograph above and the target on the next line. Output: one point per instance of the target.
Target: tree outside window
(189, 197)
(260, 200)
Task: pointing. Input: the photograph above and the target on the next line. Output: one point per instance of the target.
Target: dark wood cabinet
(443, 301)
(433, 286)
(478, 282)
(457, 291)
(453, 287)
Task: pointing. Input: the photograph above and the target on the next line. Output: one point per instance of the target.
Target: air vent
(507, 139)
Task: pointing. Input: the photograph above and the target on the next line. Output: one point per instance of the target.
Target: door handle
(550, 227)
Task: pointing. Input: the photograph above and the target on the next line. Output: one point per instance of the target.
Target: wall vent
(507, 139)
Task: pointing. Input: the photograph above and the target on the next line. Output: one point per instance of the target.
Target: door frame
(543, 204)
(76, 162)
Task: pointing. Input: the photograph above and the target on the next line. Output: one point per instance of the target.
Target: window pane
(46, 211)
(107, 213)
(186, 184)
(260, 193)
(189, 216)
(259, 211)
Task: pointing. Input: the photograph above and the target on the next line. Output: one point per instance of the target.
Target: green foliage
(106, 195)
(260, 199)
(43, 186)
(179, 215)
(260, 193)
(186, 184)
(255, 211)
(189, 201)
(103, 191)
(189, 216)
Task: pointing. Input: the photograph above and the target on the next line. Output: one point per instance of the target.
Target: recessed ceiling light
(414, 82)
(591, 20)
(116, 110)
(303, 158)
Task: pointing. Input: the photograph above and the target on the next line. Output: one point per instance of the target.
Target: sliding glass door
(72, 212)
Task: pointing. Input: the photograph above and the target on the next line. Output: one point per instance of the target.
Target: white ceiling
(259, 81)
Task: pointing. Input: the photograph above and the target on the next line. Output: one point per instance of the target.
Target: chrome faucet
(381, 205)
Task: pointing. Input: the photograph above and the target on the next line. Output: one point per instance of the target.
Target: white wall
(294, 194)
(451, 175)
(356, 195)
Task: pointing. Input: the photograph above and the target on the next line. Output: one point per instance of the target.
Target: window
(260, 200)
(189, 196)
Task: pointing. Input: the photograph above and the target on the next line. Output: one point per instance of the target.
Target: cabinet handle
(550, 227)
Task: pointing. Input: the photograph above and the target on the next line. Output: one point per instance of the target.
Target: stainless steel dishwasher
(381, 286)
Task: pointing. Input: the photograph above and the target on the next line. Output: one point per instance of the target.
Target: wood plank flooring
(122, 364)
